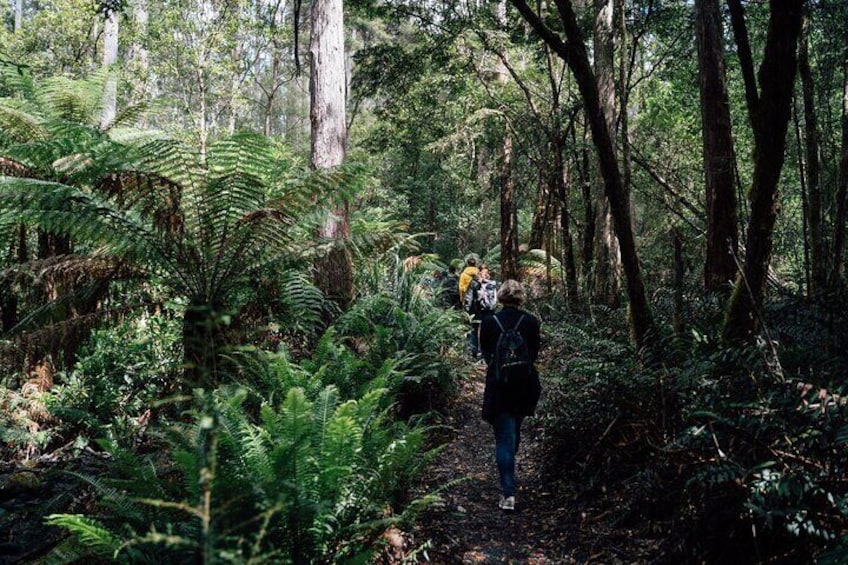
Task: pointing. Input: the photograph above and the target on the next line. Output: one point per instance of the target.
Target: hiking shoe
(507, 503)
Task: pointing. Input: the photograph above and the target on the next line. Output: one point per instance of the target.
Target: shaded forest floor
(550, 524)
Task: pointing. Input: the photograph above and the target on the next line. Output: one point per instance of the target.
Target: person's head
(484, 273)
(511, 293)
(452, 269)
(471, 262)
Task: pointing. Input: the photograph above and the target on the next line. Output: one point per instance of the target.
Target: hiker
(468, 273)
(481, 299)
(466, 284)
(510, 343)
(450, 288)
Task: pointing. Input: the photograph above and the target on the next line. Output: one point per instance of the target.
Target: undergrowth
(720, 454)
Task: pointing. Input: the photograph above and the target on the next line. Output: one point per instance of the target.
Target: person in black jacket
(505, 405)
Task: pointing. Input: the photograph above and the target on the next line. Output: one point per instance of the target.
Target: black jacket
(516, 399)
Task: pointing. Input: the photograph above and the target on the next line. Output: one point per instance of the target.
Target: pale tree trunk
(334, 273)
(139, 57)
(769, 110)
(109, 106)
(607, 275)
(574, 53)
(811, 150)
(719, 158)
(19, 15)
(235, 87)
(202, 126)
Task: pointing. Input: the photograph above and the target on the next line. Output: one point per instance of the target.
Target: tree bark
(19, 15)
(509, 226)
(719, 158)
(606, 283)
(109, 108)
(811, 151)
(770, 120)
(139, 56)
(588, 235)
(333, 273)
(538, 225)
(567, 256)
(678, 321)
(574, 53)
(841, 192)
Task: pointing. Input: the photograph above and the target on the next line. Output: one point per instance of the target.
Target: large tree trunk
(588, 235)
(538, 224)
(19, 15)
(811, 146)
(719, 159)
(139, 56)
(841, 191)
(574, 53)
(770, 113)
(567, 255)
(333, 273)
(109, 108)
(508, 208)
(606, 281)
(509, 225)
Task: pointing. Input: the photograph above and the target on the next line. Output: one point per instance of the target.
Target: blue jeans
(507, 437)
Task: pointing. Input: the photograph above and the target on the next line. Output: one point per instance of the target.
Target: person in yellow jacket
(468, 274)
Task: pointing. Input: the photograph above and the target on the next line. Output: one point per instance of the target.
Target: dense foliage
(161, 299)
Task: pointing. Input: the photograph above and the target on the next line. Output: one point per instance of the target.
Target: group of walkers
(508, 340)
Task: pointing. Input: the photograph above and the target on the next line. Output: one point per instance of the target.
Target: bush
(120, 375)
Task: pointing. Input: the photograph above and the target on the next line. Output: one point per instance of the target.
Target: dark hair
(471, 262)
(452, 269)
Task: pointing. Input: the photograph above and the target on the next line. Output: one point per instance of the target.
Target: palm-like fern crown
(199, 222)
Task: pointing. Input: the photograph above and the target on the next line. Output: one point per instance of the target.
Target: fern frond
(19, 125)
(295, 421)
(90, 532)
(325, 408)
(129, 116)
(76, 101)
(65, 210)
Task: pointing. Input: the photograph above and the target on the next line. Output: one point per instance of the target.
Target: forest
(224, 227)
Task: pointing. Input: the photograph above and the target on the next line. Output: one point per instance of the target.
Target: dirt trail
(468, 527)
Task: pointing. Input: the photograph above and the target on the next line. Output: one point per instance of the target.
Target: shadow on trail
(468, 527)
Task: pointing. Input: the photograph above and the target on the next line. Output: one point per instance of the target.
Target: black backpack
(450, 290)
(472, 297)
(512, 356)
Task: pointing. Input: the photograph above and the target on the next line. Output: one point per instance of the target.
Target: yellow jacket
(468, 274)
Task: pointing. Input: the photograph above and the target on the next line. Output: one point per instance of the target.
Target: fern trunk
(202, 334)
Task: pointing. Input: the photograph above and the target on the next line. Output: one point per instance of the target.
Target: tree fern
(221, 228)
